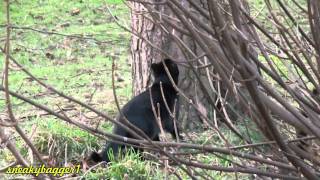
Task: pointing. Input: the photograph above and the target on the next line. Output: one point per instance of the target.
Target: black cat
(139, 111)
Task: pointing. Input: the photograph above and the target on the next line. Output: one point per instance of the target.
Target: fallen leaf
(75, 12)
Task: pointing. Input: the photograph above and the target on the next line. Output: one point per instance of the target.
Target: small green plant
(128, 165)
(60, 141)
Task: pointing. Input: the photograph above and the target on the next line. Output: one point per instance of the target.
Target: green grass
(68, 64)
(129, 166)
(80, 68)
(77, 67)
(62, 140)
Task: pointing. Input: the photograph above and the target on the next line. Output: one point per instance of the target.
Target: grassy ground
(79, 67)
(76, 66)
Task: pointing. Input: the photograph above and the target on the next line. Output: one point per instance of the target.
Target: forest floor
(70, 46)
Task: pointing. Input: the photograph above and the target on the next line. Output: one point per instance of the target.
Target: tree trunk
(140, 51)
(143, 54)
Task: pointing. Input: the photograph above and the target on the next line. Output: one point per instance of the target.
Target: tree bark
(143, 55)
